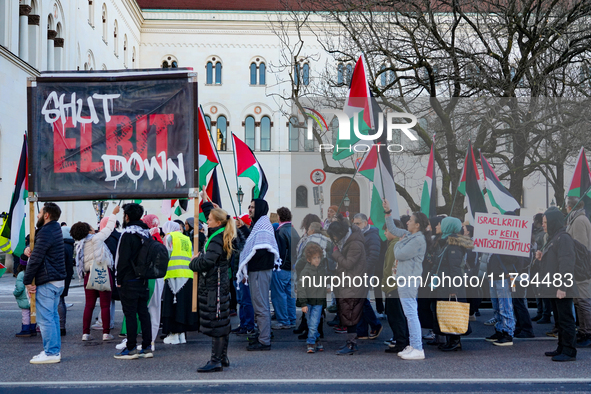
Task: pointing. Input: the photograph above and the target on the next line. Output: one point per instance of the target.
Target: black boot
(215, 364)
(303, 325)
(452, 344)
(225, 361)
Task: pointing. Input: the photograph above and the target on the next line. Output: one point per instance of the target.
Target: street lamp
(240, 196)
(346, 201)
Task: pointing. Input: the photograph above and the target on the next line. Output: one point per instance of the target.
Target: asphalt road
(480, 366)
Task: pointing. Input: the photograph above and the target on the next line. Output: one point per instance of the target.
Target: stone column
(51, 35)
(34, 40)
(23, 32)
(59, 50)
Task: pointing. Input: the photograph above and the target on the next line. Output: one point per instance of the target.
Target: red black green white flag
(14, 231)
(213, 194)
(247, 166)
(581, 181)
(429, 195)
(208, 156)
(498, 195)
(470, 187)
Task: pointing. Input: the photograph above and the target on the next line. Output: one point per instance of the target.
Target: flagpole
(578, 201)
(32, 302)
(456, 193)
(236, 171)
(222, 167)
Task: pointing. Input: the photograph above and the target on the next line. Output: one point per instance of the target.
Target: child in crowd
(22, 300)
(312, 293)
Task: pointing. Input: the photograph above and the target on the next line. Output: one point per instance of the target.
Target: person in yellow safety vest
(177, 315)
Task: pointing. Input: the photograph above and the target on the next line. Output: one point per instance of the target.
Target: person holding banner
(558, 258)
(47, 267)
(214, 286)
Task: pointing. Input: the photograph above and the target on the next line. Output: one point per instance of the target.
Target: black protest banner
(113, 135)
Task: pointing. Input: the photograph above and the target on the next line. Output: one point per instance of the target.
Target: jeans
(134, 300)
(408, 299)
(48, 298)
(260, 282)
(313, 316)
(246, 312)
(396, 319)
(283, 301)
(565, 322)
(502, 303)
(368, 318)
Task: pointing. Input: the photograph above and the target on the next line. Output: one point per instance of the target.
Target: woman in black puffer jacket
(214, 286)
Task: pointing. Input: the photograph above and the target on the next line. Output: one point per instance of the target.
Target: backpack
(152, 259)
(582, 262)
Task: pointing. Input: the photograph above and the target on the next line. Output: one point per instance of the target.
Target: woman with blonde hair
(214, 286)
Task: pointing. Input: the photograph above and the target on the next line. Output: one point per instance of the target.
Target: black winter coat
(214, 287)
(450, 262)
(287, 239)
(46, 263)
(558, 258)
(373, 244)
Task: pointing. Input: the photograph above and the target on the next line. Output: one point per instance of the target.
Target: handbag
(453, 316)
(98, 277)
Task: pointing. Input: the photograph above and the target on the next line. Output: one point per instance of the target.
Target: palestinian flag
(208, 156)
(470, 186)
(360, 108)
(13, 231)
(497, 193)
(247, 166)
(429, 196)
(581, 181)
(213, 192)
(181, 207)
(377, 167)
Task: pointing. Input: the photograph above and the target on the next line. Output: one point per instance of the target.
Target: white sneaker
(139, 347)
(414, 354)
(97, 326)
(407, 349)
(43, 358)
(172, 339)
(86, 337)
(182, 338)
(108, 337)
(122, 345)
(153, 347)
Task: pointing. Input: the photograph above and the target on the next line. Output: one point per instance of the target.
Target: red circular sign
(318, 176)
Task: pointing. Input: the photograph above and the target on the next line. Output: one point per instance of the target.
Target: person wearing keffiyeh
(257, 261)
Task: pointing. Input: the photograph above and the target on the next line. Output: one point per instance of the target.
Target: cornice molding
(18, 62)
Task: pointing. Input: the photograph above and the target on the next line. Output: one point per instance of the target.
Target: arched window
(334, 126)
(105, 30)
(133, 58)
(262, 74)
(253, 73)
(125, 51)
(306, 74)
(222, 127)
(249, 131)
(296, 74)
(51, 35)
(218, 73)
(165, 64)
(265, 134)
(209, 73)
(302, 197)
(91, 12)
(208, 122)
(294, 135)
(383, 76)
(340, 77)
(308, 142)
(115, 39)
(348, 74)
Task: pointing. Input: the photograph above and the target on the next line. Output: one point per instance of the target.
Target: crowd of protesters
(245, 265)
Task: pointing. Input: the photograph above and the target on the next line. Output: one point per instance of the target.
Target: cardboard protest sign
(113, 135)
(502, 234)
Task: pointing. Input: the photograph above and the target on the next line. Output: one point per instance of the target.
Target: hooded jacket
(263, 259)
(579, 227)
(47, 263)
(373, 244)
(128, 250)
(558, 256)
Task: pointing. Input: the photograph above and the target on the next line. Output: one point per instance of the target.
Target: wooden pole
(31, 245)
(195, 245)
